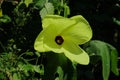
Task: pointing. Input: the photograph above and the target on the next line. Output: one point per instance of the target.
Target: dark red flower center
(59, 40)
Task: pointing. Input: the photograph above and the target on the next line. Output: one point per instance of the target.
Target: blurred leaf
(38, 54)
(2, 75)
(39, 69)
(57, 78)
(16, 76)
(5, 19)
(116, 21)
(60, 73)
(28, 67)
(48, 9)
(66, 10)
(29, 53)
(27, 2)
(43, 12)
(40, 3)
(56, 3)
(1, 12)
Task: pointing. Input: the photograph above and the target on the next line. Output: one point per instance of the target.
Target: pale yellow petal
(39, 45)
(80, 18)
(57, 20)
(79, 33)
(49, 38)
(77, 55)
(82, 58)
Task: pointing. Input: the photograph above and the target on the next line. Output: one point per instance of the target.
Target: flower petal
(39, 45)
(57, 20)
(75, 53)
(79, 18)
(48, 19)
(53, 25)
(79, 32)
(82, 58)
(71, 47)
(49, 38)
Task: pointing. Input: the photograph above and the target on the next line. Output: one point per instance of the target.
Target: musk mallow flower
(64, 35)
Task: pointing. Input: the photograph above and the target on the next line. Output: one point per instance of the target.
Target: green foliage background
(21, 23)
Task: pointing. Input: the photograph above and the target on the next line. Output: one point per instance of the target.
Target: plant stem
(2, 46)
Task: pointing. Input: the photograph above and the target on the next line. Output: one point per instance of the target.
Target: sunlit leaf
(43, 12)
(27, 2)
(48, 9)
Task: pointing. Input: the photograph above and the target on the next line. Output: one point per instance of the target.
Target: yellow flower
(64, 35)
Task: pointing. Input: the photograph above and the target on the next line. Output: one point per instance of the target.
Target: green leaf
(5, 19)
(100, 48)
(43, 12)
(66, 10)
(39, 69)
(60, 73)
(40, 3)
(48, 9)
(38, 54)
(57, 78)
(2, 75)
(53, 62)
(114, 60)
(29, 53)
(116, 21)
(27, 2)
(16, 76)
(26, 67)
(95, 48)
